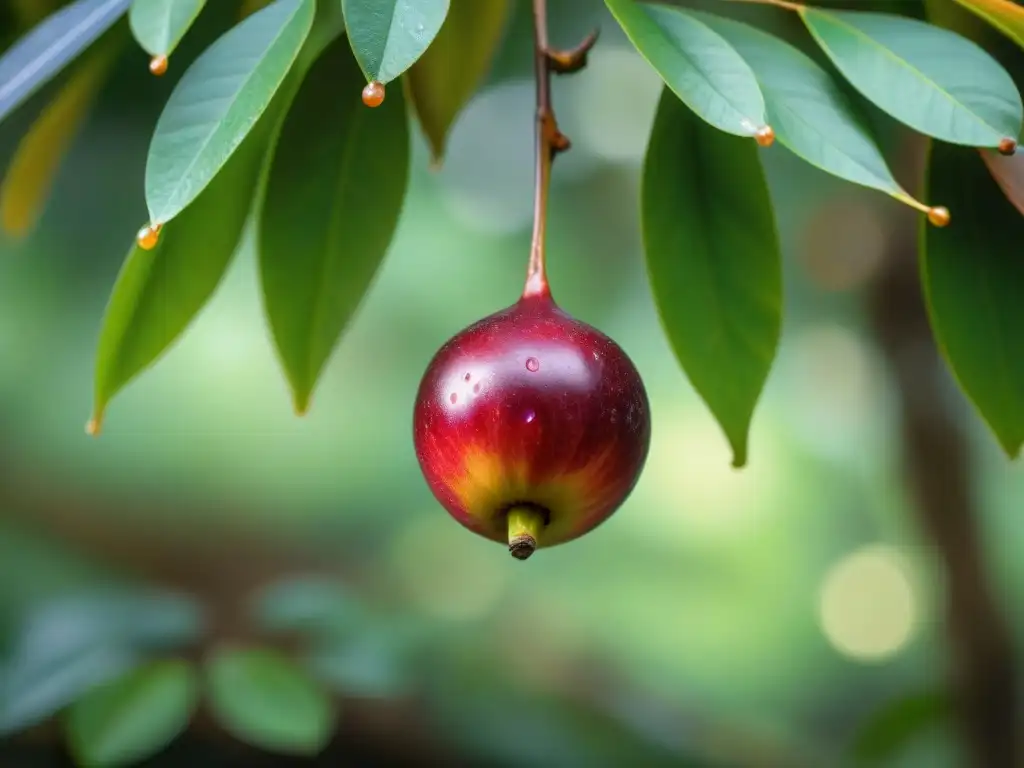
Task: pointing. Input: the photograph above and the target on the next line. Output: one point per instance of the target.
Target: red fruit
(531, 427)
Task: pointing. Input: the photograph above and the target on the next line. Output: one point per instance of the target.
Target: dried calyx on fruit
(531, 427)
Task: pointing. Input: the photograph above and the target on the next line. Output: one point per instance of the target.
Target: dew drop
(939, 216)
(529, 416)
(764, 136)
(476, 388)
(1007, 146)
(93, 427)
(148, 237)
(454, 398)
(532, 364)
(373, 94)
(158, 65)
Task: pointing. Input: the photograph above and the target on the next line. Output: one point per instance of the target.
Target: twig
(550, 140)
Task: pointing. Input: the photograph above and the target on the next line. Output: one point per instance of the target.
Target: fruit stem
(524, 527)
(550, 140)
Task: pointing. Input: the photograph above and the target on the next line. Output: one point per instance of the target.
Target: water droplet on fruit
(939, 216)
(529, 416)
(373, 94)
(467, 377)
(764, 136)
(532, 364)
(1007, 146)
(158, 65)
(454, 398)
(148, 237)
(476, 388)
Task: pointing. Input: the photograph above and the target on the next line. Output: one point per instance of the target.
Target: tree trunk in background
(936, 463)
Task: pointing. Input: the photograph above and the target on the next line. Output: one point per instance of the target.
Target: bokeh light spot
(867, 606)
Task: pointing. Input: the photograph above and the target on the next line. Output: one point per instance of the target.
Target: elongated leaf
(134, 717)
(332, 203)
(810, 114)
(48, 48)
(267, 700)
(159, 25)
(159, 292)
(27, 184)
(698, 65)
(1009, 175)
(388, 36)
(448, 74)
(713, 262)
(218, 101)
(926, 77)
(1004, 15)
(891, 729)
(973, 277)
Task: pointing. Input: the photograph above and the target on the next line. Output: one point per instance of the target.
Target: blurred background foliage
(747, 618)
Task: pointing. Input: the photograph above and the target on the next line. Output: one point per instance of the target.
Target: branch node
(574, 59)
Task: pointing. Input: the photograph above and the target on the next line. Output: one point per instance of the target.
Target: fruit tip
(524, 526)
(939, 216)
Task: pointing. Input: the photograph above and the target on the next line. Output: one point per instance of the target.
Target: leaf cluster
(268, 129)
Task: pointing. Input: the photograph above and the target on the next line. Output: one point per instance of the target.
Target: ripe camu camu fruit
(531, 427)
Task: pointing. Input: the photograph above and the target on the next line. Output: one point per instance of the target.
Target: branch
(937, 467)
(550, 140)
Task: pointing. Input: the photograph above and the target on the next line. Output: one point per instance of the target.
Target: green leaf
(928, 78)
(265, 699)
(811, 116)
(973, 277)
(449, 73)
(388, 36)
(51, 46)
(218, 101)
(159, 25)
(30, 176)
(889, 730)
(698, 65)
(1004, 15)
(332, 203)
(713, 262)
(159, 292)
(306, 604)
(134, 717)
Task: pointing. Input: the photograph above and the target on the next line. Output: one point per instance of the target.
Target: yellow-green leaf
(1004, 15)
(445, 78)
(30, 176)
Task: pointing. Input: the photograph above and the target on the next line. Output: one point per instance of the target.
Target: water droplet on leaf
(158, 65)
(148, 237)
(1007, 146)
(939, 216)
(764, 136)
(373, 94)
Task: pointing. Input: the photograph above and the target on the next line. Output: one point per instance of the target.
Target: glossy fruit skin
(531, 407)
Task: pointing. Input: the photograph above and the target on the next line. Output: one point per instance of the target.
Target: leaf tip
(373, 94)
(764, 136)
(300, 404)
(94, 426)
(158, 65)
(939, 216)
(739, 457)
